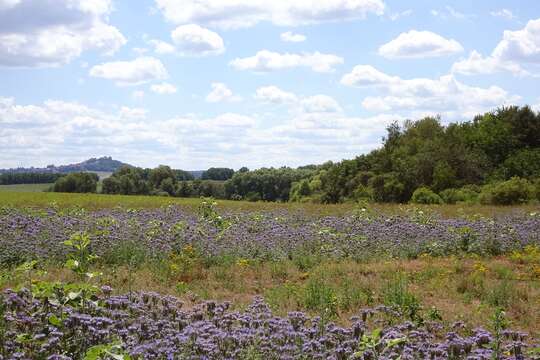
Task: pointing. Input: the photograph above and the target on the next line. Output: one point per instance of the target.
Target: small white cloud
(292, 37)
(265, 61)
(273, 94)
(450, 12)
(135, 72)
(503, 13)
(162, 47)
(190, 40)
(195, 40)
(419, 44)
(399, 15)
(163, 88)
(220, 92)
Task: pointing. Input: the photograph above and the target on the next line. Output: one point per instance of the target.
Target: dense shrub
(466, 194)
(511, 192)
(424, 195)
(387, 188)
(77, 183)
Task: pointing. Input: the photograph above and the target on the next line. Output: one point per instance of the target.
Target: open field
(100, 201)
(438, 282)
(24, 188)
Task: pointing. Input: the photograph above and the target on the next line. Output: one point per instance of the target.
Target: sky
(231, 83)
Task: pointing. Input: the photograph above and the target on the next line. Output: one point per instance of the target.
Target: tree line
(12, 178)
(495, 158)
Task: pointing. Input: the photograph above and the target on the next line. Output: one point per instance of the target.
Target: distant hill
(105, 164)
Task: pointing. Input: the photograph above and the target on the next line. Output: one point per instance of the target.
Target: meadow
(136, 277)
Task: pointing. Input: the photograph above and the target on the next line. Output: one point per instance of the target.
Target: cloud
(521, 45)
(220, 92)
(478, 64)
(516, 50)
(445, 95)
(419, 44)
(273, 94)
(503, 13)
(266, 61)
(298, 104)
(44, 33)
(63, 132)
(450, 12)
(191, 40)
(163, 88)
(292, 37)
(247, 13)
(399, 15)
(320, 104)
(132, 113)
(135, 72)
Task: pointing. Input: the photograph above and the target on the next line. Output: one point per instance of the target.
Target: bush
(511, 192)
(424, 195)
(467, 194)
(77, 183)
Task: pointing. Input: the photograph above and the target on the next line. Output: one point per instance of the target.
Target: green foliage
(220, 174)
(268, 184)
(319, 296)
(387, 188)
(77, 183)
(396, 293)
(424, 153)
(12, 178)
(80, 256)
(454, 196)
(424, 195)
(107, 351)
(511, 192)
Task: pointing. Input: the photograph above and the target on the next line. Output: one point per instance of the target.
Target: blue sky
(200, 83)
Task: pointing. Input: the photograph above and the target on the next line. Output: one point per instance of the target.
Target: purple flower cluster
(151, 326)
(26, 234)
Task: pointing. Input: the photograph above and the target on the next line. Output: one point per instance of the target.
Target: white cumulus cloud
(443, 95)
(191, 40)
(273, 94)
(419, 44)
(265, 61)
(135, 72)
(32, 34)
(292, 37)
(514, 53)
(220, 92)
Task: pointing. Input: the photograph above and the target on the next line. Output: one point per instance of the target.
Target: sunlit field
(318, 281)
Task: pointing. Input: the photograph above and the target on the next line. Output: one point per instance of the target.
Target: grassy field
(469, 283)
(23, 198)
(24, 188)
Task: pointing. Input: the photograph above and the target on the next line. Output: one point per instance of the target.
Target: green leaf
(72, 264)
(54, 320)
(72, 295)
